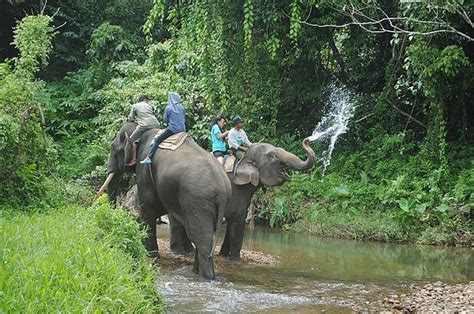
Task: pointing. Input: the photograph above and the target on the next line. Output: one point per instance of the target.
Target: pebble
(435, 297)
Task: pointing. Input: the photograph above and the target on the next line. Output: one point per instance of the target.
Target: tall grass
(74, 260)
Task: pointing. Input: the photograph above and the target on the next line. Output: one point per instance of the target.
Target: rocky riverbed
(247, 257)
(434, 297)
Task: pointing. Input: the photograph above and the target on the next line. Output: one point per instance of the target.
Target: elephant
(187, 184)
(263, 165)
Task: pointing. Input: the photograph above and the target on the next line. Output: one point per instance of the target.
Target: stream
(312, 274)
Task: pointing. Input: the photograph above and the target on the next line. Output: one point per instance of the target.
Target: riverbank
(74, 259)
(393, 198)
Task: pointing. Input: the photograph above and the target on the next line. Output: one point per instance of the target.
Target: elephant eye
(272, 155)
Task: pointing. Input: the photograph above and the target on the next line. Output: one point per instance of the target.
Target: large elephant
(187, 184)
(263, 165)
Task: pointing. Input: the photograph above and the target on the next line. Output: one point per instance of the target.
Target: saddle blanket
(173, 142)
(229, 162)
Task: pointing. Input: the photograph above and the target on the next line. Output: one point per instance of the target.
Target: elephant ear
(127, 149)
(246, 172)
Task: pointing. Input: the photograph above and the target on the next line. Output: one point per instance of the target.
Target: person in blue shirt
(218, 135)
(174, 116)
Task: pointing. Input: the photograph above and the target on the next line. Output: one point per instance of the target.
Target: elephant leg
(235, 237)
(196, 262)
(188, 246)
(149, 220)
(179, 242)
(204, 263)
(148, 214)
(113, 188)
(200, 230)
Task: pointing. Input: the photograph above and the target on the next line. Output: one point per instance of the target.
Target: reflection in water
(314, 274)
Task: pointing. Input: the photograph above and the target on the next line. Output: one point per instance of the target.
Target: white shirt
(238, 138)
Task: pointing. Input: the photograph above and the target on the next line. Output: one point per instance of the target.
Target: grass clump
(66, 260)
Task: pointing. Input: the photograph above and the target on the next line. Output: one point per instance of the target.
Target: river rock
(436, 297)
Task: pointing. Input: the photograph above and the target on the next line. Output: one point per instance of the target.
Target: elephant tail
(221, 206)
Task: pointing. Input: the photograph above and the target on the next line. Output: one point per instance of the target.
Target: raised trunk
(296, 163)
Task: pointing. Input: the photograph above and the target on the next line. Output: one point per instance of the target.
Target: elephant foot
(153, 254)
(235, 259)
(224, 254)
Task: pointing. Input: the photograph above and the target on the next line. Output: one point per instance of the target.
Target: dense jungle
(402, 174)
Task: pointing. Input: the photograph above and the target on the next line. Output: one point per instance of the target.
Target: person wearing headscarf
(174, 116)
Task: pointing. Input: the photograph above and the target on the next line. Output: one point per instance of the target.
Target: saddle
(229, 163)
(173, 142)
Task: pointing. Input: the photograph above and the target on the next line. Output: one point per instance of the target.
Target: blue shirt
(218, 145)
(174, 116)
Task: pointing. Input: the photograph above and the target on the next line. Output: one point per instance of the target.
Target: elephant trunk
(296, 163)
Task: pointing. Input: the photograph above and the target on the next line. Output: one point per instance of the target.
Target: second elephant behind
(263, 165)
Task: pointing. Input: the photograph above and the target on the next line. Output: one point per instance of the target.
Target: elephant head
(265, 164)
(117, 160)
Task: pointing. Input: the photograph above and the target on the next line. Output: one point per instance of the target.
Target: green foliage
(109, 43)
(33, 38)
(156, 14)
(280, 213)
(295, 24)
(248, 22)
(64, 260)
(400, 197)
(406, 163)
(430, 64)
(118, 227)
(24, 149)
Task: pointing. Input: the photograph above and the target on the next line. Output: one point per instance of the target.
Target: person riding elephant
(219, 149)
(187, 183)
(263, 165)
(174, 116)
(142, 114)
(238, 140)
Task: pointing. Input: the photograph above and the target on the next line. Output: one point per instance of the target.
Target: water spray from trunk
(335, 122)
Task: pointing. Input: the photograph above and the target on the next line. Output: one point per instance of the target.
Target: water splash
(335, 122)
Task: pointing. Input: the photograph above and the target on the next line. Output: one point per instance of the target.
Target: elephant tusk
(104, 186)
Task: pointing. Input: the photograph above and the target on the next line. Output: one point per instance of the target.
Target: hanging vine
(248, 22)
(156, 15)
(295, 25)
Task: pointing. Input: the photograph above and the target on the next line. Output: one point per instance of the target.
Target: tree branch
(337, 54)
(410, 117)
(359, 18)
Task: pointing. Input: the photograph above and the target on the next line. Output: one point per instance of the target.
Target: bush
(378, 193)
(73, 260)
(23, 147)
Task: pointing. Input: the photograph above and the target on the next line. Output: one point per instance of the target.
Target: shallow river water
(313, 274)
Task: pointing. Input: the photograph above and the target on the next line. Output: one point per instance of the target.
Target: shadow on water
(313, 274)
